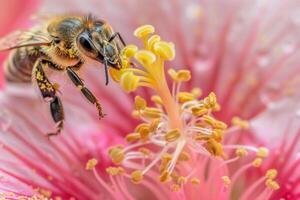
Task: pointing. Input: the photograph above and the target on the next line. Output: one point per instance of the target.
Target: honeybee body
(64, 44)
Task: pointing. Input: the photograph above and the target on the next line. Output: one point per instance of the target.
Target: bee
(63, 44)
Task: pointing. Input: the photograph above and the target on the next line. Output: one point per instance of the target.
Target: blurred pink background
(13, 14)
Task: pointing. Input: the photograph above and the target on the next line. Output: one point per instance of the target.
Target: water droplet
(5, 120)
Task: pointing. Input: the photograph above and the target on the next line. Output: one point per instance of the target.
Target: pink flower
(243, 56)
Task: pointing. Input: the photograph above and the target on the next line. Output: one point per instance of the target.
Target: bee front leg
(77, 81)
(48, 92)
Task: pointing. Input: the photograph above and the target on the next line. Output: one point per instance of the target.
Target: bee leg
(57, 114)
(48, 92)
(85, 91)
(106, 72)
(114, 36)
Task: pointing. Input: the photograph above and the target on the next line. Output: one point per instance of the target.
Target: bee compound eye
(85, 43)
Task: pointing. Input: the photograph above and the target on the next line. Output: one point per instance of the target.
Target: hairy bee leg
(106, 72)
(48, 92)
(85, 91)
(120, 37)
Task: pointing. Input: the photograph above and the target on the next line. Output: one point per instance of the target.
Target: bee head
(96, 42)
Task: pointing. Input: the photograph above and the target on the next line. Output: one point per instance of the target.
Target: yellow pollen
(130, 50)
(129, 81)
(236, 121)
(156, 99)
(241, 152)
(166, 50)
(91, 164)
(152, 112)
(257, 162)
(136, 176)
(210, 101)
(175, 187)
(214, 147)
(56, 86)
(180, 75)
(199, 111)
(117, 154)
(262, 152)
(144, 31)
(154, 124)
(271, 174)
(226, 180)
(195, 181)
(140, 103)
(115, 171)
(172, 135)
(164, 177)
(197, 92)
(132, 137)
(185, 96)
(145, 57)
(272, 184)
(181, 180)
(152, 40)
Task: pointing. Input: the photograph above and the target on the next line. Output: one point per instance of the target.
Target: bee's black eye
(85, 43)
(56, 40)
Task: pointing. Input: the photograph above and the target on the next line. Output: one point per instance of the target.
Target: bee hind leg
(48, 92)
(57, 114)
(77, 81)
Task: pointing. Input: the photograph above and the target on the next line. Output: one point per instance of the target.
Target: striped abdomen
(18, 67)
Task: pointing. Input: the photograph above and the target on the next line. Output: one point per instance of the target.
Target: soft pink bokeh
(14, 15)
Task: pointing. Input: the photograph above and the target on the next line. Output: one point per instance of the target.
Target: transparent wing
(24, 38)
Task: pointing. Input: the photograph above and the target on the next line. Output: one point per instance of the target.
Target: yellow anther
(262, 152)
(115, 74)
(117, 154)
(181, 180)
(135, 114)
(201, 136)
(140, 103)
(210, 101)
(145, 151)
(156, 99)
(244, 124)
(129, 81)
(257, 162)
(152, 112)
(56, 86)
(144, 31)
(175, 187)
(272, 184)
(154, 124)
(184, 75)
(136, 176)
(195, 181)
(166, 50)
(241, 152)
(141, 126)
(164, 177)
(184, 156)
(172, 73)
(197, 92)
(199, 111)
(112, 171)
(271, 174)
(132, 137)
(220, 125)
(145, 57)
(185, 96)
(218, 134)
(172, 135)
(215, 148)
(143, 130)
(130, 50)
(91, 164)
(152, 40)
(226, 180)
(209, 120)
(167, 157)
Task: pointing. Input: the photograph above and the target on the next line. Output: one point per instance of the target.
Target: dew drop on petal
(5, 120)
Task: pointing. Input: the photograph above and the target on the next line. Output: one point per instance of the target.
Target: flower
(242, 66)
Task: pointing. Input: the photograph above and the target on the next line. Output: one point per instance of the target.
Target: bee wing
(23, 39)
